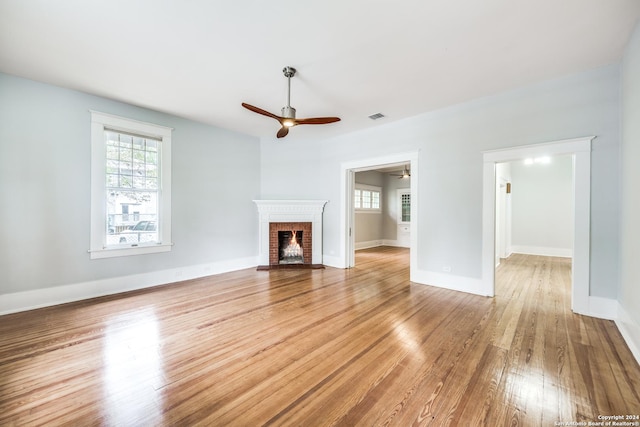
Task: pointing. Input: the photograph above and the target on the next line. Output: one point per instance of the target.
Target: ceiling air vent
(376, 116)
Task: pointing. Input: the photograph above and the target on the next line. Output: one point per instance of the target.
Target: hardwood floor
(320, 347)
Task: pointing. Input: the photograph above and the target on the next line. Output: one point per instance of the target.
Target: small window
(130, 187)
(367, 198)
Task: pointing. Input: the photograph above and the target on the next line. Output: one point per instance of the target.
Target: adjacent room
(349, 213)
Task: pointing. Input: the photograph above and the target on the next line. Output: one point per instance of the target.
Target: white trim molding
(580, 148)
(368, 244)
(98, 247)
(347, 213)
(38, 298)
(543, 251)
(602, 308)
(449, 281)
(630, 331)
(290, 211)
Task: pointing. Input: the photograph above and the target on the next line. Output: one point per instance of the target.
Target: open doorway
(382, 207)
(579, 151)
(390, 163)
(534, 209)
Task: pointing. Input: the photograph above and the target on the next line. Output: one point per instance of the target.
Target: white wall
(45, 195)
(450, 144)
(629, 295)
(542, 208)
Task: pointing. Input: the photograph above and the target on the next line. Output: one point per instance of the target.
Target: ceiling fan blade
(317, 120)
(284, 130)
(260, 111)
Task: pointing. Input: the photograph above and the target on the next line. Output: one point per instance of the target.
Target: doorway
(534, 212)
(580, 151)
(347, 223)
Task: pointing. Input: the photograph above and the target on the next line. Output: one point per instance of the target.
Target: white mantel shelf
(290, 211)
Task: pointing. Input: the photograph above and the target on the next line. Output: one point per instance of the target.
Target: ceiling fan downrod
(288, 111)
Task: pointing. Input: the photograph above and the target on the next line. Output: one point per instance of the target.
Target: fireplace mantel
(290, 211)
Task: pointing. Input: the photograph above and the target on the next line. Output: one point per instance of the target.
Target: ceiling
(200, 59)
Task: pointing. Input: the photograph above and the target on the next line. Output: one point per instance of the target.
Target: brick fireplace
(276, 242)
(279, 220)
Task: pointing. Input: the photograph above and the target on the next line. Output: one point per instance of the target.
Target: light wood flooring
(358, 347)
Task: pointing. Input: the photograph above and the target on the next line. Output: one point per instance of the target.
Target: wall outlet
(446, 268)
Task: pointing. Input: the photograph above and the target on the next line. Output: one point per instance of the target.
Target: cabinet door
(404, 206)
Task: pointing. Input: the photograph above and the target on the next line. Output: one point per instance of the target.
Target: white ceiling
(200, 59)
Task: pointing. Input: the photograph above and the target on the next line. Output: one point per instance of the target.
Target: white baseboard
(543, 251)
(333, 261)
(383, 242)
(368, 244)
(630, 331)
(397, 243)
(449, 281)
(38, 298)
(603, 308)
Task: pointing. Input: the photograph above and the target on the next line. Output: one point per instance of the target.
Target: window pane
(357, 199)
(112, 152)
(152, 145)
(151, 158)
(375, 200)
(132, 183)
(112, 180)
(124, 228)
(366, 199)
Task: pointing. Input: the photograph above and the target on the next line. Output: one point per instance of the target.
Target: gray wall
(450, 144)
(45, 197)
(368, 225)
(630, 219)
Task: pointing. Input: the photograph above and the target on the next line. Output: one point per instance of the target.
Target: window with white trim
(367, 198)
(130, 187)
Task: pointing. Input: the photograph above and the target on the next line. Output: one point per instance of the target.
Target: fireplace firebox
(290, 247)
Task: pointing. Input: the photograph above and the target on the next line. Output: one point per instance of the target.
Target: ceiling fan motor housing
(289, 112)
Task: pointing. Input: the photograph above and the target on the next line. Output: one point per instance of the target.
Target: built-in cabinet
(404, 216)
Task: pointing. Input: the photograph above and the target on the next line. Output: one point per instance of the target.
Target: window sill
(137, 250)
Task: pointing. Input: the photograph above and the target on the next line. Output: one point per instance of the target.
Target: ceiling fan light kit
(288, 118)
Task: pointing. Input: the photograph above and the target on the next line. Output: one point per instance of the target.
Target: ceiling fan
(405, 174)
(288, 118)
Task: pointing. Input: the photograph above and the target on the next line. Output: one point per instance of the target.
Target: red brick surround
(274, 227)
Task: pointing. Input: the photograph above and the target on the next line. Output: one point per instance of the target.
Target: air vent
(376, 116)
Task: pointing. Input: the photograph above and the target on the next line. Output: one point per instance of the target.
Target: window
(130, 187)
(367, 198)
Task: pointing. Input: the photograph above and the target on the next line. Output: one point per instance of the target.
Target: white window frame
(100, 121)
(372, 188)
